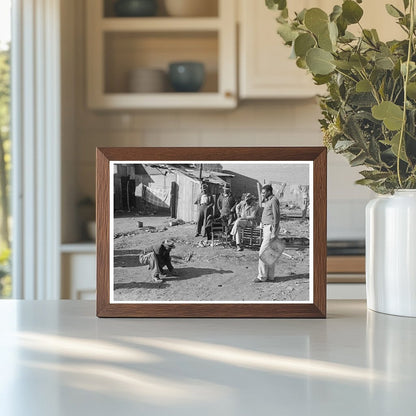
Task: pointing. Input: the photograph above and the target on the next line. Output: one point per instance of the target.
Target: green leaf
(391, 114)
(316, 20)
(374, 174)
(301, 63)
(347, 37)
(412, 67)
(287, 33)
(375, 35)
(285, 13)
(344, 65)
(358, 61)
(353, 131)
(336, 12)
(351, 11)
(368, 36)
(319, 61)
(411, 90)
(394, 144)
(363, 86)
(343, 145)
(358, 160)
(301, 15)
(365, 182)
(342, 25)
(276, 4)
(321, 79)
(384, 62)
(406, 4)
(303, 43)
(374, 150)
(333, 32)
(393, 11)
(325, 42)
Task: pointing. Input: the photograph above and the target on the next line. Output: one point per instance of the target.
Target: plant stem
(346, 75)
(406, 79)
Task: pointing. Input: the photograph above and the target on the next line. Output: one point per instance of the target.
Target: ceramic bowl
(135, 8)
(186, 76)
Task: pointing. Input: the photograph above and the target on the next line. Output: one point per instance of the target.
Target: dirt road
(218, 273)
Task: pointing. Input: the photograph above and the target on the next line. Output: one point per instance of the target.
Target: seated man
(158, 257)
(249, 216)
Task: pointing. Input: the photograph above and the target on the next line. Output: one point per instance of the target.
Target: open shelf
(126, 51)
(116, 46)
(160, 24)
(210, 7)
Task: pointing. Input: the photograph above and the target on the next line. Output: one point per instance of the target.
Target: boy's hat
(169, 243)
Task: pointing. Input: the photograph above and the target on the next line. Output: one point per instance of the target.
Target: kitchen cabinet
(265, 70)
(78, 263)
(118, 45)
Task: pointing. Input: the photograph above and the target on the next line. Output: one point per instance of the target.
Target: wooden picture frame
(272, 158)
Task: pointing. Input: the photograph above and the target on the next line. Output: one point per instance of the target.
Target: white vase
(391, 253)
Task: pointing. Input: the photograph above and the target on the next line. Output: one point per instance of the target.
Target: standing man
(248, 217)
(225, 205)
(205, 203)
(270, 222)
(157, 257)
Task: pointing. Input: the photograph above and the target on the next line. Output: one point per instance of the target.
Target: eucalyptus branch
(406, 79)
(373, 88)
(346, 75)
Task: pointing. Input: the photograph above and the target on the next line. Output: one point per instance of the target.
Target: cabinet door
(266, 71)
(78, 276)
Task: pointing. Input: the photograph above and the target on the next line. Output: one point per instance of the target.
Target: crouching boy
(157, 257)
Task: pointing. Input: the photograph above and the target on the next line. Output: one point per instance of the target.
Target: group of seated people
(234, 215)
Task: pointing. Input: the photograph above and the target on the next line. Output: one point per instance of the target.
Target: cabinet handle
(229, 94)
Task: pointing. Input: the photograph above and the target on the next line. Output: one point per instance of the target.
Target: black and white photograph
(211, 232)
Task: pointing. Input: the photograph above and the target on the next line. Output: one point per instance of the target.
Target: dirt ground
(205, 273)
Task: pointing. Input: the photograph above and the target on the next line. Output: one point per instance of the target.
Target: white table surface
(57, 358)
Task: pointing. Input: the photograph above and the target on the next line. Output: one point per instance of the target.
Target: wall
(253, 123)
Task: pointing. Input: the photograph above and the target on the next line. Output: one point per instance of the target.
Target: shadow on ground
(140, 285)
(185, 273)
(290, 277)
(126, 252)
(131, 260)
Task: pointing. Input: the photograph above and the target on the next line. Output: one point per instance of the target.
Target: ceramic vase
(391, 253)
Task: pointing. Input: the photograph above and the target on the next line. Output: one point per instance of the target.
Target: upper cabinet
(265, 68)
(169, 60)
(129, 59)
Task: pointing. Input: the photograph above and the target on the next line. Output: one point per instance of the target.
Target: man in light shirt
(270, 222)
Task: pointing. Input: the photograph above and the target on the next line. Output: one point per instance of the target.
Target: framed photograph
(211, 232)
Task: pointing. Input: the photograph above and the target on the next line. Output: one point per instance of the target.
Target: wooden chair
(217, 232)
(252, 237)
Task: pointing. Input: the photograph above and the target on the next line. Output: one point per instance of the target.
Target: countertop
(57, 358)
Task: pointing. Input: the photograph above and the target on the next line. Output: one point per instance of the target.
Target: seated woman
(248, 217)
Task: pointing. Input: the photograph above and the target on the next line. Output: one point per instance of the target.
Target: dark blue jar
(186, 76)
(135, 8)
